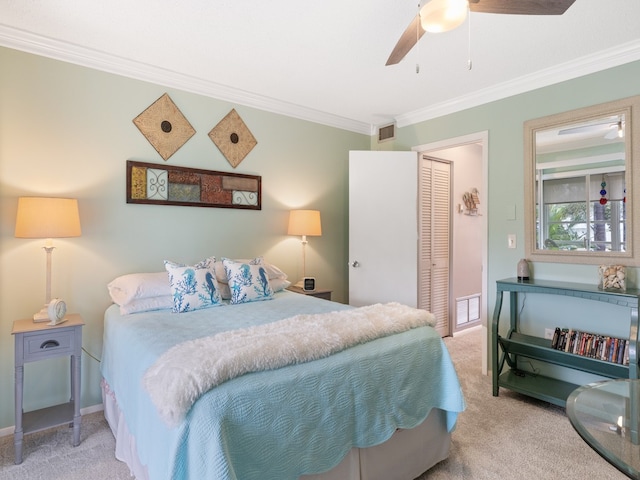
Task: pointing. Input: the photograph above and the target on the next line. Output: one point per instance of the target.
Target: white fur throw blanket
(187, 370)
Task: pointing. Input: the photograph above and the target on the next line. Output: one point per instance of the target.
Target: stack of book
(592, 345)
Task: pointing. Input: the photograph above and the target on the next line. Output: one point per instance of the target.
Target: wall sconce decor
(40, 217)
(305, 222)
(164, 126)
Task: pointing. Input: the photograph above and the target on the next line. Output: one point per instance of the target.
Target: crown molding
(72, 53)
(603, 60)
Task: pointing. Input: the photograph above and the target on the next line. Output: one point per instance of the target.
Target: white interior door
(383, 227)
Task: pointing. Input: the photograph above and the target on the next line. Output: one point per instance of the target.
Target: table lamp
(305, 222)
(40, 217)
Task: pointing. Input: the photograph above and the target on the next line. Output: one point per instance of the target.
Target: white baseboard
(467, 330)
(92, 409)
(4, 432)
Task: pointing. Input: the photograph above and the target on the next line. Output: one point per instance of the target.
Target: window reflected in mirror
(578, 185)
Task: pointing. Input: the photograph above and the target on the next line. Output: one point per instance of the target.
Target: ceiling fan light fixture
(443, 15)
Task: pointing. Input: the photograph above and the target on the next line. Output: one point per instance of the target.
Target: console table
(516, 344)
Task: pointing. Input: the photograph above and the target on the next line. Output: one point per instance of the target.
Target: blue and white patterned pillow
(247, 282)
(193, 287)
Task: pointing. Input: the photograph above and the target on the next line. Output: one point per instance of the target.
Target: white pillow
(146, 304)
(127, 288)
(279, 284)
(247, 282)
(193, 286)
(274, 272)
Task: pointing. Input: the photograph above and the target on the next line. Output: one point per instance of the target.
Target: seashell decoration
(612, 277)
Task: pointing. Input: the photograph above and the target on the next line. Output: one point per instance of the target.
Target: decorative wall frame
(233, 138)
(164, 126)
(158, 184)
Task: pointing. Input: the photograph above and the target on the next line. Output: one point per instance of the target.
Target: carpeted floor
(506, 437)
(511, 436)
(49, 455)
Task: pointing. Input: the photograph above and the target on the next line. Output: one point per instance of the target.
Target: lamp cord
(95, 358)
(418, 41)
(469, 63)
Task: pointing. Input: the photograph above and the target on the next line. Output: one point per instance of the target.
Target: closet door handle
(355, 264)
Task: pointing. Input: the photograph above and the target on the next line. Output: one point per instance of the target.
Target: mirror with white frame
(580, 185)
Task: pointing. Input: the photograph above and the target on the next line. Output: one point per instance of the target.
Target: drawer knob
(50, 344)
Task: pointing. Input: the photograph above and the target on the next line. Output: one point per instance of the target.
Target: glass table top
(605, 415)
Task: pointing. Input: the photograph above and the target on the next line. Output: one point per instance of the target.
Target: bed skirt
(405, 456)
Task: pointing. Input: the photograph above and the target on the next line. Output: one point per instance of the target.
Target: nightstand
(39, 341)
(318, 292)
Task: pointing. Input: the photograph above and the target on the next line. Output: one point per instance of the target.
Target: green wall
(504, 120)
(67, 130)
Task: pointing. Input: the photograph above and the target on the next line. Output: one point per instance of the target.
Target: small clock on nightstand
(318, 292)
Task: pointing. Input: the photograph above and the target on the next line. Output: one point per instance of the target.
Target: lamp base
(42, 315)
(58, 321)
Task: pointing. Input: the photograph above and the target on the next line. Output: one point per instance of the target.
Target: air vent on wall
(388, 132)
(467, 309)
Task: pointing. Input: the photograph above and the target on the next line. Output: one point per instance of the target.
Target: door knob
(354, 264)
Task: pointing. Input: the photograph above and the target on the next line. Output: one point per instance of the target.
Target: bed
(377, 409)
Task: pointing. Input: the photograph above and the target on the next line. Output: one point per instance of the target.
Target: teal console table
(516, 344)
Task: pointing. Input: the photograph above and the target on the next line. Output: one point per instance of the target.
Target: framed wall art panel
(157, 184)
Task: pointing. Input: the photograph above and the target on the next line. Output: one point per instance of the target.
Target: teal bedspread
(280, 424)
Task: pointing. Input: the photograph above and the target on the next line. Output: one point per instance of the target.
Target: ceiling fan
(609, 128)
(443, 15)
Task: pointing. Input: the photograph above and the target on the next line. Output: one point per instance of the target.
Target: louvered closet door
(434, 240)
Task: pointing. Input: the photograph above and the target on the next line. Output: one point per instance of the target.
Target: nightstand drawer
(47, 344)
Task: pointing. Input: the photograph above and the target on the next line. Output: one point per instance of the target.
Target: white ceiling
(324, 61)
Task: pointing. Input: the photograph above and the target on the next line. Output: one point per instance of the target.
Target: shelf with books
(540, 348)
(508, 349)
(592, 345)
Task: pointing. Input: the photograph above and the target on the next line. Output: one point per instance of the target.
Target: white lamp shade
(304, 222)
(443, 15)
(41, 217)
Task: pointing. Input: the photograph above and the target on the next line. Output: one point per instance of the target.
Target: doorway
(468, 156)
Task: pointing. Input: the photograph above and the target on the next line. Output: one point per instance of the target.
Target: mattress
(279, 424)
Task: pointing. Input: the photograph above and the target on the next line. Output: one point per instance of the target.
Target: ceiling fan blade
(414, 31)
(521, 7)
(592, 127)
(409, 38)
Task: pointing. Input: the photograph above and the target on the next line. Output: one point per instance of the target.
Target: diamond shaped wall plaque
(164, 126)
(233, 138)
